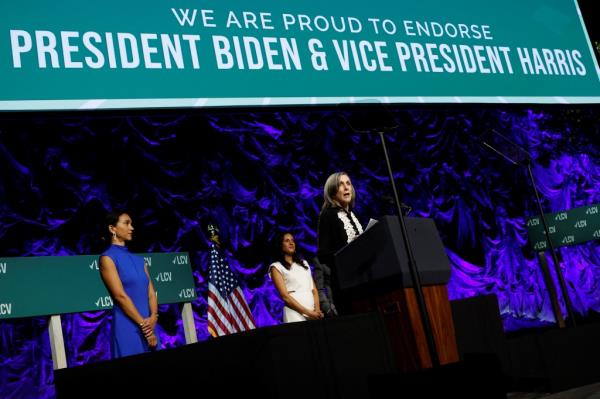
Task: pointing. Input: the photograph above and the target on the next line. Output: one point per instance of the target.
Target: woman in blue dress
(135, 306)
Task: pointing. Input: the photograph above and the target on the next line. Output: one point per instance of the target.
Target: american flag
(228, 311)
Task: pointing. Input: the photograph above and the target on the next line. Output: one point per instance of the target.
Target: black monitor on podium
(378, 256)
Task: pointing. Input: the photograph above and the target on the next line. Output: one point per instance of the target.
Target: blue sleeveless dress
(127, 337)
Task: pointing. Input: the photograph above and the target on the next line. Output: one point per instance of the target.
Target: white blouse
(350, 232)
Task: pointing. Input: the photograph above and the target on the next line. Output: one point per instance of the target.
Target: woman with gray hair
(338, 225)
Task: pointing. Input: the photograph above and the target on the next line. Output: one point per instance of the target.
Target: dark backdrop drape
(256, 173)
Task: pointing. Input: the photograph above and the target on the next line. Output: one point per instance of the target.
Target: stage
(351, 357)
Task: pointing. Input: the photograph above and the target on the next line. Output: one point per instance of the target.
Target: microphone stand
(546, 273)
(412, 266)
(561, 281)
(365, 126)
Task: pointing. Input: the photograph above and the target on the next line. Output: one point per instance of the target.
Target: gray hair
(332, 185)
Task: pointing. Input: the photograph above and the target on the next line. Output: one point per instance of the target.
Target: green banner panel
(68, 54)
(46, 285)
(572, 227)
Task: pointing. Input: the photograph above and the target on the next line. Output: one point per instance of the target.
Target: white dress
(299, 283)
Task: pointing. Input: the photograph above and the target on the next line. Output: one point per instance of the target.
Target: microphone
(407, 208)
(390, 200)
(368, 116)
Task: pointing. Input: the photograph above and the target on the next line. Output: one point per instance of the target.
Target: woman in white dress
(293, 280)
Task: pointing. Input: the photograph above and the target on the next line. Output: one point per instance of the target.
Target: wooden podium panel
(402, 318)
(374, 274)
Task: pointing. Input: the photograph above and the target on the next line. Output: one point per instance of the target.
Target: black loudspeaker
(479, 329)
(542, 360)
(553, 360)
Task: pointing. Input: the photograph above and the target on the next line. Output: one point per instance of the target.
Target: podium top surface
(379, 255)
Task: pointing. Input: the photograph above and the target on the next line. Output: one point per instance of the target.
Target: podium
(373, 273)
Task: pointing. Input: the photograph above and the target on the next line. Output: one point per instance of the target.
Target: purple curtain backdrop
(256, 173)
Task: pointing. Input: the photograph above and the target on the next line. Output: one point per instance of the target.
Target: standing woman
(337, 226)
(293, 280)
(135, 306)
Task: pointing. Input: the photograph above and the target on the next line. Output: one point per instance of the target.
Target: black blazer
(331, 235)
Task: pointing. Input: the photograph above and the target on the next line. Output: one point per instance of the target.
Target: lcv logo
(561, 216)
(592, 211)
(164, 277)
(581, 224)
(3, 267)
(568, 239)
(104, 302)
(5, 308)
(180, 260)
(186, 293)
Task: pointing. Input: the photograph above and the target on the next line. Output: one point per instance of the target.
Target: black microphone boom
(376, 118)
(518, 156)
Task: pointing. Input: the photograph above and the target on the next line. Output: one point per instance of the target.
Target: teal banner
(47, 285)
(68, 54)
(571, 227)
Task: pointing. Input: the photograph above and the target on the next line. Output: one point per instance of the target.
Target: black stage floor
(350, 357)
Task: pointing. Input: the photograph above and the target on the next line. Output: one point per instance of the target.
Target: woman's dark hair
(111, 219)
(280, 256)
